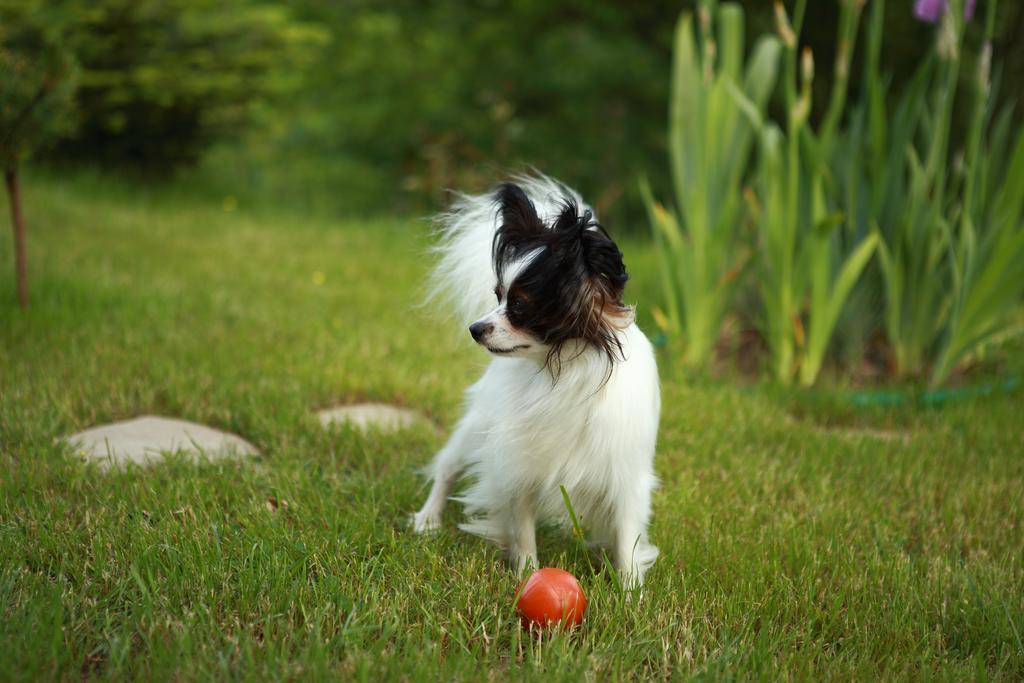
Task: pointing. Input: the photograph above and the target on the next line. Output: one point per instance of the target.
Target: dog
(570, 398)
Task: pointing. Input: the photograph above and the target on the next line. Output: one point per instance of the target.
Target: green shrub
(951, 235)
(868, 179)
(163, 79)
(709, 147)
(805, 271)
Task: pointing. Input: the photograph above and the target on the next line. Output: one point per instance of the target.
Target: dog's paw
(425, 521)
(632, 583)
(633, 596)
(524, 564)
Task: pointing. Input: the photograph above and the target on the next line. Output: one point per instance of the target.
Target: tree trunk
(20, 257)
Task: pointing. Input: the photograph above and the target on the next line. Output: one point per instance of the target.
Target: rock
(366, 415)
(146, 440)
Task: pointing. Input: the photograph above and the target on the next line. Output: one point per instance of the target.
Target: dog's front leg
(444, 470)
(522, 548)
(633, 553)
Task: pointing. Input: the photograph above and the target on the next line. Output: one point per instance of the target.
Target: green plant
(915, 231)
(987, 250)
(805, 270)
(950, 244)
(867, 173)
(709, 148)
(827, 195)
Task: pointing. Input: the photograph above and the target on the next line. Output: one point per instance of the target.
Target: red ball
(551, 595)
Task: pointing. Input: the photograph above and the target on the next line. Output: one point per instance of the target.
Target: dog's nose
(480, 330)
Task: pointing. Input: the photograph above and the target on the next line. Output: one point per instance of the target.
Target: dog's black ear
(604, 260)
(579, 234)
(519, 219)
(521, 228)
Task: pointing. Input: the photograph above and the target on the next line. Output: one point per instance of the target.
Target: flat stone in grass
(146, 440)
(366, 415)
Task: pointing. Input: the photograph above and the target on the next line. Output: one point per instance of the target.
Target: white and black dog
(571, 396)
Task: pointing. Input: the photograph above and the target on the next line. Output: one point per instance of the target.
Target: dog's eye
(516, 304)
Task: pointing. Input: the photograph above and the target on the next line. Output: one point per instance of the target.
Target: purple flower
(932, 10)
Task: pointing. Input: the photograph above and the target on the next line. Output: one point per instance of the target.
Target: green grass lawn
(797, 541)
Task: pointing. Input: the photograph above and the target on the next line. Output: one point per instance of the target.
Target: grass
(796, 542)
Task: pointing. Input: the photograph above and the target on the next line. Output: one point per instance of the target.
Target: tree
(37, 81)
(163, 79)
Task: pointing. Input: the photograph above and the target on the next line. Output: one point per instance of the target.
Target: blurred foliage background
(364, 106)
(895, 227)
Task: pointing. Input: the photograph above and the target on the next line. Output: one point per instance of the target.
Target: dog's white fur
(525, 433)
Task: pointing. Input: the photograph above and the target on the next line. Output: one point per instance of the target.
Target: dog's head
(557, 284)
